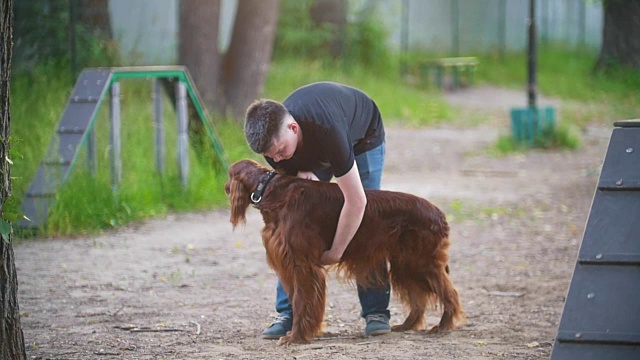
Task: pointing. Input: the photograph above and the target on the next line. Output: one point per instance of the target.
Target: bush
(41, 35)
(558, 137)
(298, 36)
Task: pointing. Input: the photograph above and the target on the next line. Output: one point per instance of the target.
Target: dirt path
(187, 287)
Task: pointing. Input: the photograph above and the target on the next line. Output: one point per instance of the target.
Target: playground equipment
(76, 129)
(461, 69)
(532, 121)
(601, 316)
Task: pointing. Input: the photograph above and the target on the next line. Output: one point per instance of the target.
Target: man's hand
(307, 175)
(330, 257)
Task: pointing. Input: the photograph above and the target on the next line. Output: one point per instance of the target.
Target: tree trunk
(620, 34)
(333, 12)
(228, 83)
(11, 337)
(198, 47)
(94, 15)
(247, 61)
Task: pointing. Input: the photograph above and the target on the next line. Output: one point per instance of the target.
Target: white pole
(158, 125)
(183, 136)
(116, 164)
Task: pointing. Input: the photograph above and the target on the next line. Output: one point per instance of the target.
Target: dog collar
(256, 196)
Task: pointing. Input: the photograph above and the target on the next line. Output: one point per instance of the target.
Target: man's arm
(351, 215)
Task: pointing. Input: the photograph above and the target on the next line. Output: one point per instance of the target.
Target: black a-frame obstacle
(601, 317)
(75, 129)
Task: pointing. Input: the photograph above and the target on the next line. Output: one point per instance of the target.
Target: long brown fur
(405, 231)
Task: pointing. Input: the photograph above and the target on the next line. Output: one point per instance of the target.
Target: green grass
(458, 211)
(88, 204)
(399, 103)
(589, 96)
(561, 137)
(569, 75)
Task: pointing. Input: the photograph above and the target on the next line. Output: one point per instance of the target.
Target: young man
(323, 130)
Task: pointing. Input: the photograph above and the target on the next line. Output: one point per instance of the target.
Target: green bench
(461, 70)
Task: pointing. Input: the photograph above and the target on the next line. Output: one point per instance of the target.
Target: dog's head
(244, 177)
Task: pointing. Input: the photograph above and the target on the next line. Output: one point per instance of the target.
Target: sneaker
(278, 328)
(377, 324)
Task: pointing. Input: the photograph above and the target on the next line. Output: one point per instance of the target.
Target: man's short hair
(262, 122)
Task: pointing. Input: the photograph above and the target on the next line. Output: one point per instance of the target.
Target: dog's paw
(291, 339)
(399, 328)
(285, 340)
(439, 329)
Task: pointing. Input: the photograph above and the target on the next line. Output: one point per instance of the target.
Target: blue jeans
(372, 300)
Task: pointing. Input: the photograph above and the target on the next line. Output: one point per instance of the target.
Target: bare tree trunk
(228, 83)
(333, 12)
(198, 47)
(620, 34)
(247, 61)
(11, 337)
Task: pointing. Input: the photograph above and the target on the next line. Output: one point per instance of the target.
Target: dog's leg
(414, 296)
(448, 296)
(446, 324)
(409, 286)
(425, 282)
(438, 278)
(308, 302)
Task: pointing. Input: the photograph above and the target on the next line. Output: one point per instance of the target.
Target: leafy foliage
(89, 204)
(570, 75)
(557, 137)
(41, 35)
(299, 37)
(366, 45)
(45, 38)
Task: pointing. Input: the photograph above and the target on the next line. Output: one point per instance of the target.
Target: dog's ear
(240, 201)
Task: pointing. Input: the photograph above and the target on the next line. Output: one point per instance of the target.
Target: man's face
(284, 145)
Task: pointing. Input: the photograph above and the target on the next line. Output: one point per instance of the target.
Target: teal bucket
(529, 123)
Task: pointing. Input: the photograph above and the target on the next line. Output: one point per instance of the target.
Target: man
(323, 130)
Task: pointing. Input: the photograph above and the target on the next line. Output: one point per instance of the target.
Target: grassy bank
(400, 104)
(569, 75)
(87, 204)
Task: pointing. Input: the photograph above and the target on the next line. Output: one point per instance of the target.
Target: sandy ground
(188, 287)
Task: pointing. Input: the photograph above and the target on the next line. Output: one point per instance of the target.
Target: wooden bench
(461, 69)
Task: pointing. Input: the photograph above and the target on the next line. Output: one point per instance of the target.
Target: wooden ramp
(78, 119)
(601, 317)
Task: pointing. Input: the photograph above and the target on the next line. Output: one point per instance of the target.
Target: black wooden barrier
(601, 317)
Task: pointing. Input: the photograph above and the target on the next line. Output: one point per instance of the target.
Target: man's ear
(293, 126)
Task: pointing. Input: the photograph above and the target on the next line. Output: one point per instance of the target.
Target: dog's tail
(445, 293)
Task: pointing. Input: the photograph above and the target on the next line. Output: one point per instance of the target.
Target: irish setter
(405, 231)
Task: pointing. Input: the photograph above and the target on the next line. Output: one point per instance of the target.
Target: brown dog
(405, 231)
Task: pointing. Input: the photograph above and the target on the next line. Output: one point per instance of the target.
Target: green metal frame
(106, 78)
(167, 72)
